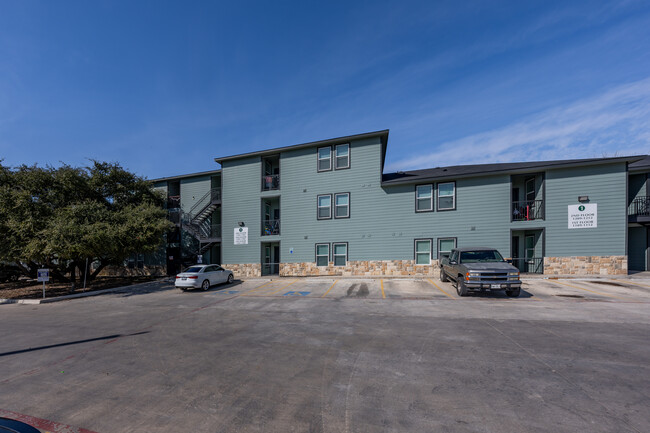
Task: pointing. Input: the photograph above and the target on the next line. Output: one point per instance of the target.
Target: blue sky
(164, 87)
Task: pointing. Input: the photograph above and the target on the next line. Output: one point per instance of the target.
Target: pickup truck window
(480, 256)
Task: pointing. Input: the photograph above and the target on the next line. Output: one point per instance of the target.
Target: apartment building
(327, 208)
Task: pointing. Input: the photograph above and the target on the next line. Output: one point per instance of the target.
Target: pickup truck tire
(460, 286)
(514, 292)
(443, 276)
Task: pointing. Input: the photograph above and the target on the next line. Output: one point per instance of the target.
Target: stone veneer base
(586, 265)
(243, 270)
(360, 268)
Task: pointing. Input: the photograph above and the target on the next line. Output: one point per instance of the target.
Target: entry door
(647, 250)
(529, 245)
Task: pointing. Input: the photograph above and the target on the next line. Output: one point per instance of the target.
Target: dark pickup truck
(476, 269)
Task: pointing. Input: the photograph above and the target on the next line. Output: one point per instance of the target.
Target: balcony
(173, 201)
(270, 227)
(270, 182)
(528, 210)
(639, 210)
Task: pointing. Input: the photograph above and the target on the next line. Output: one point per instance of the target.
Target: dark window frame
(432, 198)
(415, 251)
(438, 197)
(318, 169)
(318, 207)
(336, 167)
(334, 205)
(329, 253)
(347, 253)
(447, 239)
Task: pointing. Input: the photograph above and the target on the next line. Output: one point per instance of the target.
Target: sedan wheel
(230, 278)
(205, 285)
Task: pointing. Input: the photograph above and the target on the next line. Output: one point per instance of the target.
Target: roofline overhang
(330, 141)
(185, 176)
(541, 167)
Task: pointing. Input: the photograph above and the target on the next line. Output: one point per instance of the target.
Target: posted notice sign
(583, 216)
(43, 275)
(241, 235)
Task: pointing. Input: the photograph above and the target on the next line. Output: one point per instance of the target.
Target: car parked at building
(476, 269)
(203, 276)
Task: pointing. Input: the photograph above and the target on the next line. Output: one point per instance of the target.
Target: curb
(77, 295)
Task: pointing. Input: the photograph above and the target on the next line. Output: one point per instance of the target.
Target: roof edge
(181, 176)
(329, 141)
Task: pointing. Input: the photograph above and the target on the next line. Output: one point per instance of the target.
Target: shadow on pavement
(108, 337)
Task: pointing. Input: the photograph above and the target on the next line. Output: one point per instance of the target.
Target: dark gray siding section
(192, 190)
(638, 248)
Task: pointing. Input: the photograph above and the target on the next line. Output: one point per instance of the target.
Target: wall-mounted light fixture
(241, 224)
(583, 198)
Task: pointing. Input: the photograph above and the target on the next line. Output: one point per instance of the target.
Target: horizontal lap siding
(192, 190)
(605, 186)
(241, 184)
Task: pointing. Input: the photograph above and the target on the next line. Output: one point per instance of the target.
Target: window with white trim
(340, 253)
(445, 245)
(324, 206)
(342, 205)
(325, 158)
(322, 254)
(423, 251)
(342, 152)
(424, 198)
(447, 196)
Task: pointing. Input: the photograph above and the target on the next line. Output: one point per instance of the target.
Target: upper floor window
(325, 158)
(447, 196)
(342, 205)
(342, 156)
(424, 198)
(324, 206)
(340, 253)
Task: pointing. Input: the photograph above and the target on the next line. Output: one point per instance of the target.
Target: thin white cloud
(614, 122)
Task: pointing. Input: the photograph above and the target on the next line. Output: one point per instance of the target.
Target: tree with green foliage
(60, 217)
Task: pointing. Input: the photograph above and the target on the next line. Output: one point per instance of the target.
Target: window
(447, 196)
(324, 207)
(322, 254)
(445, 245)
(423, 251)
(340, 253)
(342, 205)
(423, 198)
(324, 158)
(342, 156)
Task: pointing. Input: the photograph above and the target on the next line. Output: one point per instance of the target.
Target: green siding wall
(192, 190)
(605, 186)
(241, 184)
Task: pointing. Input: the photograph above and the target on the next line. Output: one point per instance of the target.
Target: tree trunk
(73, 276)
(94, 274)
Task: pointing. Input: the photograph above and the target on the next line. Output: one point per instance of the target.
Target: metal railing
(173, 201)
(270, 182)
(210, 197)
(270, 268)
(270, 227)
(527, 210)
(175, 216)
(640, 206)
(534, 265)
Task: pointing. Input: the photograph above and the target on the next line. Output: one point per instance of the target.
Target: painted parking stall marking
(293, 293)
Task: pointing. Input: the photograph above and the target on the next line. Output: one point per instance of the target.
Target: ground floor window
(445, 245)
(340, 253)
(423, 251)
(322, 254)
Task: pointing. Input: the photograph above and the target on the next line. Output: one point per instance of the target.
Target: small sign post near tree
(44, 276)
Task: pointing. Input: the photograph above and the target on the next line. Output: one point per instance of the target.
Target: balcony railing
(270, 182)
(640, 206)
(528, 210)
(270, 227)
(173, 201)
(529, 265)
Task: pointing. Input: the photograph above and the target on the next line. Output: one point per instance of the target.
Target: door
(276, 259)
(220, 274)
(647, 250)
(530, 253)
(514, 251)
(267, 258)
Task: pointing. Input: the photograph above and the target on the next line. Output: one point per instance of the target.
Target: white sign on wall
(583, 216)
(241, 235)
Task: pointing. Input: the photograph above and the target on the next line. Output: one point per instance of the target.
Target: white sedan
(202, 276)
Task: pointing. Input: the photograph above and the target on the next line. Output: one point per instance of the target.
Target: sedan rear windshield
(194, 269)
(480, 256)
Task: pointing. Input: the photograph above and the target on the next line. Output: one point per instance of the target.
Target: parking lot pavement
(355, 355)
